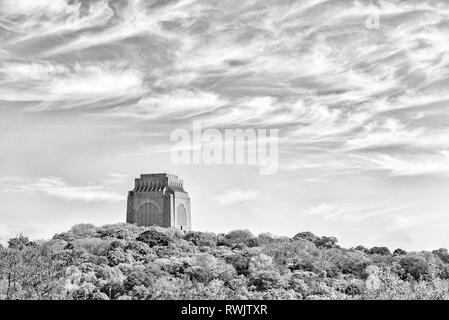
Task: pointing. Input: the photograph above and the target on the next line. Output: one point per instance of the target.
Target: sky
(90, 92)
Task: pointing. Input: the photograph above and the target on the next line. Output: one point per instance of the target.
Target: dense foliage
(124, 261)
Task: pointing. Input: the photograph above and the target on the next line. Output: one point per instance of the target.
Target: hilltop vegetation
(122, 261)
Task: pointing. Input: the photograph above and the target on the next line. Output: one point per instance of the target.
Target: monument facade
(159, 199)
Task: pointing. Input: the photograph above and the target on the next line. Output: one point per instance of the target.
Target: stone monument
(159, 199)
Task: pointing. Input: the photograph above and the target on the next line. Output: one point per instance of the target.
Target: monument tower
(159, 199)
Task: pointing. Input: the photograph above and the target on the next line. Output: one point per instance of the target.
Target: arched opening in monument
(182, 217)
(149, 215)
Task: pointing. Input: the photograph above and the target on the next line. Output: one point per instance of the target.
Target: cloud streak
(235, 196)
(58, 188)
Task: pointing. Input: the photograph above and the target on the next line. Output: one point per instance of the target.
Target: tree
(309, 236)
(240, 262)
(262, 273)
(112, 231)
(204, 268)
(154, 238)
(266, 238)
(32, 272)
(326, 242)
(239, 236)
(193, 237)
(379, 250)
(415, 266)
(109, 280)
(138, 249)
(361, 248)
(137, 278)
(83, 230)
(19, 242)
(253, 242)
(198, 238)
(117, 256)
(321, 242)
(399, 252)
(443, 254)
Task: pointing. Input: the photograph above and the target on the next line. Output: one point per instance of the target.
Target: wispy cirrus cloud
(173, 106)
(61, 87)
(437, 164)
(337, 89)
(113, 78)
(236, 196)
(351, 212)
(58, 188)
